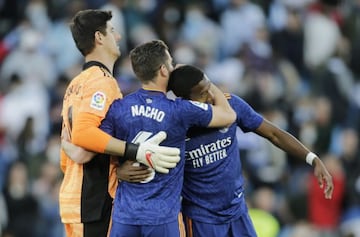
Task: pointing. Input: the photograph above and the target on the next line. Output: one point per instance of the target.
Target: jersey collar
(95, 63)
(152, 92)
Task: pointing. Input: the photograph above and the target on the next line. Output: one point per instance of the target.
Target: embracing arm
(223, 114)
(86, 134)
(76, 153)
(133, 173)
(288, 143)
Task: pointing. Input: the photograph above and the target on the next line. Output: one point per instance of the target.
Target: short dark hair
(183, 79)
(147, 58)
(84, 25)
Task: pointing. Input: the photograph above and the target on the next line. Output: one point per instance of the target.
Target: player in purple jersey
(213, 191)
(152, 208)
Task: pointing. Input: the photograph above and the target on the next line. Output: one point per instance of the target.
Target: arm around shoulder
(223, 114)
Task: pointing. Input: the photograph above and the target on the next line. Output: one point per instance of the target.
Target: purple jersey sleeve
(247, 118)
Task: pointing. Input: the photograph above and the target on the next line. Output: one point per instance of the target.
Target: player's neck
(107, 61)
(152, 86)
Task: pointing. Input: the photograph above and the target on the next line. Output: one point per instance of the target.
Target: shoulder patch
(199, 104)
(98, 100)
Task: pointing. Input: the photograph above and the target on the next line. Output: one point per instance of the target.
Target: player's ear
(164, 70)
(98, 36)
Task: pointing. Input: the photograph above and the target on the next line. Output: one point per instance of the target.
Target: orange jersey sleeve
(86, 103)
(87, 135)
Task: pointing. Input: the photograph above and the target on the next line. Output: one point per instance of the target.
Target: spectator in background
(49, 210)
(323, 119)
(323, 214)
(37, 13)
(289, 41)
(262, 208)
(30, 117)
(59, 44)
(167, 18)
(321, 37)
(36, 67)
(235, 35)
(200, 31)
(349, 155)
(22, 207)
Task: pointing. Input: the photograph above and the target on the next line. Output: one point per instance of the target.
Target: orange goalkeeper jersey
(87, 188)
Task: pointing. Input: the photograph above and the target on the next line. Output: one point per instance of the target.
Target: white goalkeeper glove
(160, 158)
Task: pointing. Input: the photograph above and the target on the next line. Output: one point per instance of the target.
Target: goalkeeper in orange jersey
(87, 190)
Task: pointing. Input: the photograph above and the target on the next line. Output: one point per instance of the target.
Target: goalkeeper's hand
(160, 158)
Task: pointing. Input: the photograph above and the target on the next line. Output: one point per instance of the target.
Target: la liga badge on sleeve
(98, 100)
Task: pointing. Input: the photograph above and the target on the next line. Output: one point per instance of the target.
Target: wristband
(310, 158)
(130, 151)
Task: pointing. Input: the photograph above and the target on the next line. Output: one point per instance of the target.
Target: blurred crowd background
(297, 62)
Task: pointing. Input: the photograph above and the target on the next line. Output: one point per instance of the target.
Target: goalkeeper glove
(160, 158)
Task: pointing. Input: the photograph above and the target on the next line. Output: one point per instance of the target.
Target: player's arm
(125, 172)
(223, 114)
(87, 134)
(76, 153)
(132, 173)
(293, 146)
